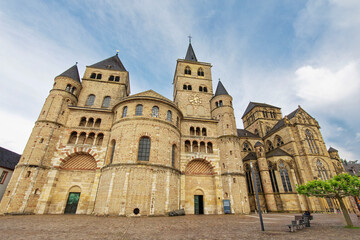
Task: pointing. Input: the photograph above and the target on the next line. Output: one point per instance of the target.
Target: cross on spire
(189, 39)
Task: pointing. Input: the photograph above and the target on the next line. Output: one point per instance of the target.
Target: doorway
(72, 202)
(198, 204)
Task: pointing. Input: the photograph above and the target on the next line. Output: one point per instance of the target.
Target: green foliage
(340, 186)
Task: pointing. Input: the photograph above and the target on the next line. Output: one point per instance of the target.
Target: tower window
(68, 87)
(209, 147)
(185, 87)
(73, 137)
(200, 72)
(192, 131)
(204, 131)
(82, 122)
(197, 131)
(99, 139)
(106, 102)
(111, 78)
(144, 149)
(189, 87)
(113, 145)
(155, 112)
(216, 104)
(117, 79)
(169, 116)
(98, 76)
(187, 70)
(139, 109)
(97, 123)
(91, 99)
(124, 111)
(220, 103)
(200, 89)
(93, 75)
(205, 89)
(173, 155)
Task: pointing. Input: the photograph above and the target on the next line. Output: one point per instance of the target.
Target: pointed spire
(72, 72)
(190, 54)
(220, 90)
(112, 63)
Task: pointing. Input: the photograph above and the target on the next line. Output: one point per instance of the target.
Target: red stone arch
(199, 167)
(79, 161)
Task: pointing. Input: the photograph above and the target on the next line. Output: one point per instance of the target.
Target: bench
(300, 222)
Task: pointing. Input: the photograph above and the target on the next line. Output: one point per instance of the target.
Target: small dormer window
(117, 79)
(111, 78)
(187, 70)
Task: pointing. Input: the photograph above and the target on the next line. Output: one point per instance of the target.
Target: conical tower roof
(220, 90)
(190, 54)
(72, 72)
(112, 63)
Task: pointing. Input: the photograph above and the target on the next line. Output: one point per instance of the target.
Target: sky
(284, 53)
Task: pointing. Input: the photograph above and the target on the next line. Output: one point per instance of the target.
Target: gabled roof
(277, 126)
(293, 113)
(245, 133)
(250, 156)
(72, 72)
(8, 159)
(220, 90)
(277, 152)
(112, 63)
(255, 104)
(150, 93)
(190, 54)
(331, 149)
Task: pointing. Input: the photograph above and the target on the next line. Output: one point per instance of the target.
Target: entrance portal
(72, 202)
(198, 204)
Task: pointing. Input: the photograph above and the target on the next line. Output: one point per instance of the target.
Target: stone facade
(96, 149)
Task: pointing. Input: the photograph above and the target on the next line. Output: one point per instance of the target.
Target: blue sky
(284, 53)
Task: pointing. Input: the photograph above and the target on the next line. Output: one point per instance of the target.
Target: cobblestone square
(324, 226)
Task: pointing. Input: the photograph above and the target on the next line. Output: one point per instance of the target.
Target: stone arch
(75, 188)
(79, 161)
(199, 191)
(199, 167)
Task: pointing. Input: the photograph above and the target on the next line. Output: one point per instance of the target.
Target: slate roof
(258, 144)
(245, 133)
(190, 54)
(351, 167)
(72, 72)
(8, 159)
(277, 152)
(220, 90)
(255, 104)
(277, 126)
(293, 113)
(112, 63)
(250, 156)
(331, 149)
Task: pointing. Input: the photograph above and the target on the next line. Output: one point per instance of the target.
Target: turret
(334, 154)
(222, 110)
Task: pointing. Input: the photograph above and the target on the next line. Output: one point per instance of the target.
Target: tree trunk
(345, 212)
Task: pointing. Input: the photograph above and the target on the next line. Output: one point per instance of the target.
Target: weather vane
(117, 52)
(189, 38)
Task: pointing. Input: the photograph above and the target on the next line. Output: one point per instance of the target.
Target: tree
(340, 186)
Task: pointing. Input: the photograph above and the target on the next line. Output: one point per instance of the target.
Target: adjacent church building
(96, 149)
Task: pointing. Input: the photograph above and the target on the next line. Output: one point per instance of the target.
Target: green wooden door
(198, 204)
(72, 202)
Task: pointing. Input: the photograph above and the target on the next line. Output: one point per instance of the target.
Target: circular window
(136, 211)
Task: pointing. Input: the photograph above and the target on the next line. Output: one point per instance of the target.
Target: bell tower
(193, 86)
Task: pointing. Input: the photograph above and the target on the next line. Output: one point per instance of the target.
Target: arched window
(73, 89)
(73, 137)
(200, 72)
(205, 89)
(311, 142)
(106, 102)
(285, 177)
(220, 103)
(322, 171)
(93, 75)
(195, 146)
(98, 76)
(184, 87)
(124, 112)
(279, 141)
(177, 121)
(202, 147)
(82, 122)
(209, 147)
(91, 99)
(90, 122)
(258, 178)
(99, 139)
(111, 78)
(139, 110)
(274, 184)
(112, 150)
(200, 89)
(144, 149)
(249, 178)
(117, 79)
(216, 104)
(173, 155)
(192, 131)
(155, 112)
(189, 87)
(203, 131)
(197, 131)
(97, 123)
(246, 147)
(269, 145)
(68, 87)
(187, 70)
(187, 146)
(82, 138)
(169, 116)
(90, 139)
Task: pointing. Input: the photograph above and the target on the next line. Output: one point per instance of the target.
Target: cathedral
(97, 149)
